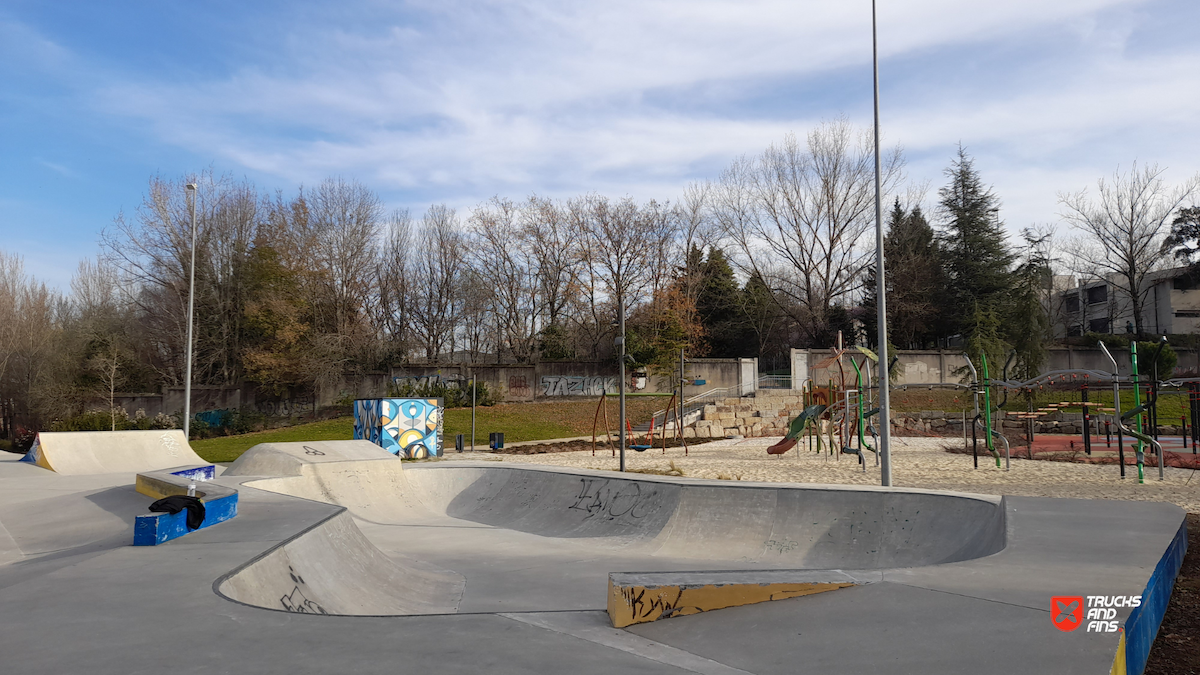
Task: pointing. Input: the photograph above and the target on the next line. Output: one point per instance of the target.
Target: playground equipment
(986, 423)
(601, 408)
(797, 427)
(1135, 413)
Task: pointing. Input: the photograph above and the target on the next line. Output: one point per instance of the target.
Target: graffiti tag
(782, 545)
(518, 386)
(296, 602)
(601, 499)
(659, 604)
(577, 385)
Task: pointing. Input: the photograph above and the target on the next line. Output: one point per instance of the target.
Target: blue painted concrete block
(156, 528)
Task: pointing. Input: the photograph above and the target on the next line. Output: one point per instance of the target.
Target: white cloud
(462, 100)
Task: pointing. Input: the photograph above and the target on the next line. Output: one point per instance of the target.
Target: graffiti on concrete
(286, 407)
(296, 602)
(609, 500)
(518, 387)
(577, 385)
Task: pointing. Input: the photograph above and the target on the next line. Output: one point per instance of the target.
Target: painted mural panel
(410, 428)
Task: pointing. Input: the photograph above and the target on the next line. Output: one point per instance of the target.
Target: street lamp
(187, 383)
(885, 431)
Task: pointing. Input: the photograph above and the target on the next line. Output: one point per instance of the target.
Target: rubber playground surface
(344, 559)
(1107, 450)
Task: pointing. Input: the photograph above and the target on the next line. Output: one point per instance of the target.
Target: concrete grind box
(410, 428)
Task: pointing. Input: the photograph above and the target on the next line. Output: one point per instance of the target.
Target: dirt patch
(1176, 650)
(576, 446)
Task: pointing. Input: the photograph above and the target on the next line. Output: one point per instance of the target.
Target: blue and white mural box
(410, 428)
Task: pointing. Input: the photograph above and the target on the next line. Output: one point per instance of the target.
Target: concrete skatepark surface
(346, 561)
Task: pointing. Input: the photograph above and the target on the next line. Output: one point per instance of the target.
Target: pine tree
(916, 282)
(977, 253)
(718, 306)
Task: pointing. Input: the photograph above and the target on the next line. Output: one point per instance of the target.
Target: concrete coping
(742, 577)
(685, 481)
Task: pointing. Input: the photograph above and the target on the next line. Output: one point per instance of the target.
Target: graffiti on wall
(297, 404)
(577, 385)
(410, 428)
(518, 387)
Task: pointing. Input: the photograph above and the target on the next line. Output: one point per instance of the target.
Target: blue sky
(454, 102)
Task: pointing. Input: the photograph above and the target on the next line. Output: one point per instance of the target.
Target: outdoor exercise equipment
(975, 420)
(1134, 413)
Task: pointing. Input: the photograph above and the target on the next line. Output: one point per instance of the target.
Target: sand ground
(916, 463)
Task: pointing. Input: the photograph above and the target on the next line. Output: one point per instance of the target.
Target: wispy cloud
(455, 100)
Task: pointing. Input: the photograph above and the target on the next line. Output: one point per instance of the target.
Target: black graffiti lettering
(600, 499)
(312, 451)
(296, 603)
(636, 597)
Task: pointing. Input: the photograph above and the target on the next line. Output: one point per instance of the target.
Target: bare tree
(345, 218)
(1125, 225)
(799, 212)
(503, 260)
(624, 248)
(393, 309)
(437, 265)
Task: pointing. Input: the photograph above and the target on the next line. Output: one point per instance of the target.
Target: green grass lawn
(518, 421)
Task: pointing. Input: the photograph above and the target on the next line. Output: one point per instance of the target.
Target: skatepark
(343, 558)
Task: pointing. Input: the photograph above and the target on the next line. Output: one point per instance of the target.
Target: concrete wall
(949, 366)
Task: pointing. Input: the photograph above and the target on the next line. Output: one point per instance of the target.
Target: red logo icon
(1066, 612)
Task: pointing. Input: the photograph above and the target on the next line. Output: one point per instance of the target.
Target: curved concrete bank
(74, 453)
(331, 568)
(651, 520)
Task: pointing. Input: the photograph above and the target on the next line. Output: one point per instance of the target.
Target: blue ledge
(1142, 625)
(153, 529)
(220, 502)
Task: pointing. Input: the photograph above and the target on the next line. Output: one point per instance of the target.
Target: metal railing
(774, 381)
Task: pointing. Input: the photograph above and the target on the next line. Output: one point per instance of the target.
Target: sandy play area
(916, 463)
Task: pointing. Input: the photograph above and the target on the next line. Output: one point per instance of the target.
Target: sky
(454, 102)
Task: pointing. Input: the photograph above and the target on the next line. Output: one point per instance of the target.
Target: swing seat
(641, 448)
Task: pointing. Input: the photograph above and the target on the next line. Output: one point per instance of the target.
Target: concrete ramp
(95, 452)
(781, 526)
(331, 568)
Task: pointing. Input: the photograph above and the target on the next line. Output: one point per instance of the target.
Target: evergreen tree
(977, 253)
(718, 306)
(916, 283)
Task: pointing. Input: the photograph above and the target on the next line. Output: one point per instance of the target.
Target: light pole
(621, 371)
(187, 383)
(885, 431)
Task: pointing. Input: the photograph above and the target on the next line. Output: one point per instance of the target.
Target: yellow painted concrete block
(630, 604)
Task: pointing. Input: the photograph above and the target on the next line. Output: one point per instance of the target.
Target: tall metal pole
(187, 384)
(885, 430)
(472, 413)
(621, 358)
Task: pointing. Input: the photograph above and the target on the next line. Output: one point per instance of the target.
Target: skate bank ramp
(76, 453)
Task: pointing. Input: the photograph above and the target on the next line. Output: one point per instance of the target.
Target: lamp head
(191, 186)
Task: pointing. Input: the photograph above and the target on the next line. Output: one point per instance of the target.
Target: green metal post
(1137, 401)
(987, 405)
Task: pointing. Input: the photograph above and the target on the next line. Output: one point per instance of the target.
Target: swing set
(602, 408)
